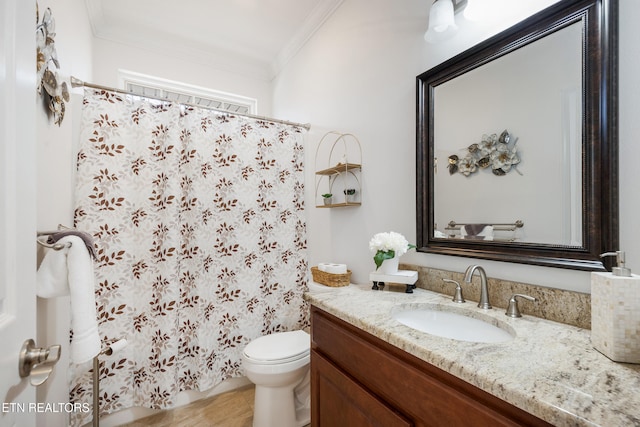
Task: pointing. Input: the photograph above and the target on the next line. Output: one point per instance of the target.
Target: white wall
(56, 165)
(56, 159)
(629, 104)
(109, 57)
(357, 74)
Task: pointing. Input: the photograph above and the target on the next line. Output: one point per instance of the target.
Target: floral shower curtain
(201, 243)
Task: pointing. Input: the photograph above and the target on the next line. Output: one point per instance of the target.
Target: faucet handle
(457, 297)
(512, 309)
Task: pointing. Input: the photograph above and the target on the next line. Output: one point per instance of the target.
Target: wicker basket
(330, 279)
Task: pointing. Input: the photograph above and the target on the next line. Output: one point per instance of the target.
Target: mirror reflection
(508, 146)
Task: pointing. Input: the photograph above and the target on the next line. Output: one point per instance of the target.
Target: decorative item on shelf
(388, 247)
(330, 279)
(350, 195)
(498, 152)
(55, 93)
(327, 197)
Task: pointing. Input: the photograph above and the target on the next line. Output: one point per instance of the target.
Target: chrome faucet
(484, 290)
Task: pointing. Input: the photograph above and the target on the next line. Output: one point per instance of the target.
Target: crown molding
(311, 25)
(211, 55)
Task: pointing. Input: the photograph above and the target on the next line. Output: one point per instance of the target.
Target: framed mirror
(517, 143)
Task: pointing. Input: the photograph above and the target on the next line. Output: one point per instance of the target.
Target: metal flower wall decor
(55, 94)
(497, 152)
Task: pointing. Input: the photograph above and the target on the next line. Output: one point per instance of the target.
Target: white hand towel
(52, 276)
(69, 271)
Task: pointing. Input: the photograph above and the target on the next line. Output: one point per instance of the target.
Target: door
(17, 206)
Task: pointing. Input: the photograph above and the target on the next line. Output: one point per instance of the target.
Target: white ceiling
(251, 37)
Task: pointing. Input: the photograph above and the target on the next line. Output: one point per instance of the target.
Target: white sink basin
(451, 324)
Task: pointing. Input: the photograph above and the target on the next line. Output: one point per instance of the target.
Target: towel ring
(54, 246)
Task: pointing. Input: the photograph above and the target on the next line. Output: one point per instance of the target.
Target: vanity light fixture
(442, 24)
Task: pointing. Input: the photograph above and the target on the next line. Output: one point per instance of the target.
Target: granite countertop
(549, 369)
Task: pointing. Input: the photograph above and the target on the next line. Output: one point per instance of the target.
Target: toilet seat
(278, 348)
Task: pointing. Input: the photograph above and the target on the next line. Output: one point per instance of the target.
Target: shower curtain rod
(75, 82)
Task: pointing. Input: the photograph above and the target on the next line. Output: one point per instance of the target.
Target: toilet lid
(279, 347)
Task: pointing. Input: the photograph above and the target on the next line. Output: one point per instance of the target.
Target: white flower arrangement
(388, 245)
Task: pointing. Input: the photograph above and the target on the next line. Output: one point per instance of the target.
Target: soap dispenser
(615, 312)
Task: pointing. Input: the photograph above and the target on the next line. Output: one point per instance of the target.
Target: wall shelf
(338, 174)
(339, 168)
(339, 205)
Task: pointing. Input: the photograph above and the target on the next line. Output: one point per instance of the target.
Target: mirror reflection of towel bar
(497, 227)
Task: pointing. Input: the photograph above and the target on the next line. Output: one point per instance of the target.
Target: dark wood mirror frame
(599, 20)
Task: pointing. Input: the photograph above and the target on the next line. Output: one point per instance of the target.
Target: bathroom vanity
(374, 382)
(369, 369)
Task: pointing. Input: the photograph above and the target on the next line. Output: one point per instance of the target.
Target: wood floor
(232, 409)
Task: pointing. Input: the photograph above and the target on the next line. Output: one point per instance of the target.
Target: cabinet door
(340, 401)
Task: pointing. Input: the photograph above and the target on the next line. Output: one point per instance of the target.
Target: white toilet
(278, 364)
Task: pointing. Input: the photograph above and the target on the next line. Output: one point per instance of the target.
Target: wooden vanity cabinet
(358, 380)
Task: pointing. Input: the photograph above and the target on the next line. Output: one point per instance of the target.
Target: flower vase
(389, 266)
